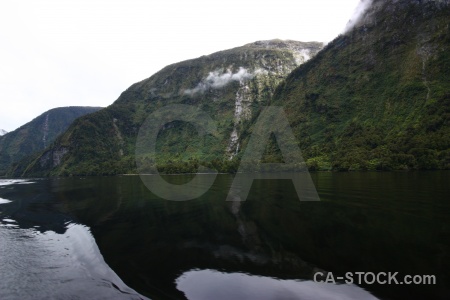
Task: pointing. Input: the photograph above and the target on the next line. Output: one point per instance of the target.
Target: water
(212, 284)
(110, 237)
(45, 255)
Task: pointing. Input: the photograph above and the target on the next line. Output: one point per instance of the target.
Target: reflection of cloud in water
(4, 182)
(61, 266)
(212, 284)
(4, 201)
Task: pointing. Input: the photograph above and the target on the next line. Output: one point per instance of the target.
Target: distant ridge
(37, 134)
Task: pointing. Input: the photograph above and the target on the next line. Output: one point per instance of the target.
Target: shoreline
(219, 173)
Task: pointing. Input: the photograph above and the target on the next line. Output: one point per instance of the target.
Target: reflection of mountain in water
(150, 242)
(44, 255)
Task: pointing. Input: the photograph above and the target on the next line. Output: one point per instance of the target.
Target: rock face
(36, 135)
(377, 97)
(231, 86)
(52, 159)
(3, 132)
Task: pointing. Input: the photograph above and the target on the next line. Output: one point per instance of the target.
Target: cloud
(218, 79)
(358, 14)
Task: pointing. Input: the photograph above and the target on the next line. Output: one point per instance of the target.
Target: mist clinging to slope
(219, 79)
(358, 14)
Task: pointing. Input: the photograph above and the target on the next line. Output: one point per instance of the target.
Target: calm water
(111, 238)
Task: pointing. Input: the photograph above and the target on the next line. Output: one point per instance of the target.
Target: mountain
(375, 98)
(3, 132)
(37, 134)
(378, 96)
(231, 86)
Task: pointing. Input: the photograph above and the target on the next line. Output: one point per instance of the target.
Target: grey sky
(57, 53)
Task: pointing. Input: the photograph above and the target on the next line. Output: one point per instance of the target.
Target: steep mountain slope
(231, 86)
(37, 134)
(377, 97)
(3, 132)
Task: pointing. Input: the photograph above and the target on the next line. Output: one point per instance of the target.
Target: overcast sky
(57, 53)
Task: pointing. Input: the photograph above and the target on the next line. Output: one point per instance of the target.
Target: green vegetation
(103, 143)
(375, 98)
(38, 134)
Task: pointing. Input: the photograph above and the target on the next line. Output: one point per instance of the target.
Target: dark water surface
(111, 238)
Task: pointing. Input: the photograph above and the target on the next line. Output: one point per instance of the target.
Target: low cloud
(358, 14)
(218, 79)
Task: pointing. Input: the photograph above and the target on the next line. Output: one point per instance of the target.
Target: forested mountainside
(231, 86)
(377, 97)
(37, 134)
